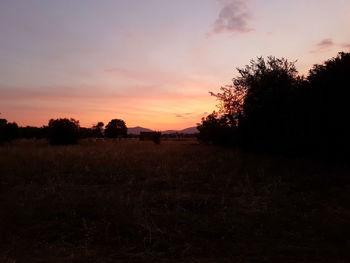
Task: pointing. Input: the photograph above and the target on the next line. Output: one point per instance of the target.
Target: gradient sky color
(149, 62)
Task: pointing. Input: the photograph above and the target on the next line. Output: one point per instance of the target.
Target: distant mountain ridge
(190, 130)
(137, 130)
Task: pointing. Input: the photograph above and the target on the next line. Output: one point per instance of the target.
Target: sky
(151, 63)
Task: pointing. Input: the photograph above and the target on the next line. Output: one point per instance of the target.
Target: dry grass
(131, 201)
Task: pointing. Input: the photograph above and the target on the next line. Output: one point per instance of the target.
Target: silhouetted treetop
(63, 131)
(116, 128)
(260, 69)
(260, 82)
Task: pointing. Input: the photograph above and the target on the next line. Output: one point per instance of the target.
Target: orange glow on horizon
(162, 112)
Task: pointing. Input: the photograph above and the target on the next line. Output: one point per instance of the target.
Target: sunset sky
(149, 62)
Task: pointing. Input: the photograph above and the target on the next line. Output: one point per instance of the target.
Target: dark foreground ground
(130, 201)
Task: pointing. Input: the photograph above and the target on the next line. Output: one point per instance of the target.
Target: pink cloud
(325, 43)
(234, 17)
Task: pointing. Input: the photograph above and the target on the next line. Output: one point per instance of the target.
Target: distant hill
(169, 131)
(138, 129)
(190, 130)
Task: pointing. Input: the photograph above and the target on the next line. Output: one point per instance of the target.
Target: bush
(63, 131)
(217, 130)
(156, 138)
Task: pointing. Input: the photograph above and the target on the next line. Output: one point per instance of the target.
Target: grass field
(131, 201)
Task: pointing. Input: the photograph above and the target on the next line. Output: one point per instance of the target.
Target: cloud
(184, 115)
(328, 43)
(187, 115)
(325, 43)
(234, 17)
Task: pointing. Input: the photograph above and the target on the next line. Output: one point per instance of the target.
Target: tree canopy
(63, 131)
(116, 128)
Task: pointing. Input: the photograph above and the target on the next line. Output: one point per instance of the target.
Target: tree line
(271, 108)
(62, 131)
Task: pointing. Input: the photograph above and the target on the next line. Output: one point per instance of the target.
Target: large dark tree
(260, 103)
(63, 131)
(116, 128)
(268, 118)
(328, 108)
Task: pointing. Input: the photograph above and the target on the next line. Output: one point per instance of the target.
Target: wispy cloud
(234, 17)
(325, 43)
(186, 115)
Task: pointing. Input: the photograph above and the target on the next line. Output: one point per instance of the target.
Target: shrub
(156, 137)
(217, 130)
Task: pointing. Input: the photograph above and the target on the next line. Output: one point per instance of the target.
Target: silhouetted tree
(328, 108)
(268, 119)
(97, 130)
(260, 104)
(8, 131)
(116, 128)
(63, 131)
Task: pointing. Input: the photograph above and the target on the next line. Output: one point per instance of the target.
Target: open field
(131, 201)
